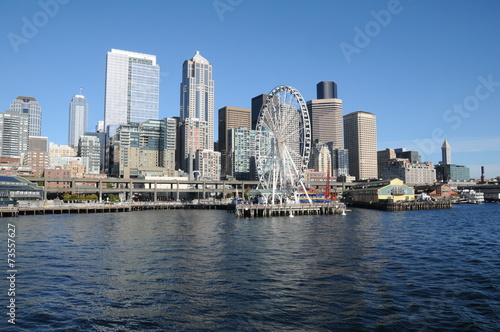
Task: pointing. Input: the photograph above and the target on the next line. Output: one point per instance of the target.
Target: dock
(15, 211)
(403, 206)
(267, 210)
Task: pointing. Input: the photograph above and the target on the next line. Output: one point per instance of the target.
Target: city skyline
(415, 74)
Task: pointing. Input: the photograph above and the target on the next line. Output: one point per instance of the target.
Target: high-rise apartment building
(207, 164)
(229, 118)
(89, 146)
(102, 140)
(326, 115)
(78, 119)
(197, 95)
(14, 133)
(446, 153)
(37, 157)
(192, 133)
(29, 106)
(132, 89)
(360, 138)
(145, 145)
(241, 146)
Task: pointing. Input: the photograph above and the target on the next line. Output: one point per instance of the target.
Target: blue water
(190, 270)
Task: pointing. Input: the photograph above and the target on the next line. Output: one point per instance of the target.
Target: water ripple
(206, 270)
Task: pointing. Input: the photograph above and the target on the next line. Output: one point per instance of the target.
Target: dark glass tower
(326, 90)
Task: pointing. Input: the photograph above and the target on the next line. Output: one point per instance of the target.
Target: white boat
(473, 197)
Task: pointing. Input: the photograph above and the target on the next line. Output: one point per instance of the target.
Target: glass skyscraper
(197, 95)
(78, 119)
(132, 89)
(29, 105)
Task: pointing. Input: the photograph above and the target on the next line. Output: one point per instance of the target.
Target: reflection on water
(178, 270)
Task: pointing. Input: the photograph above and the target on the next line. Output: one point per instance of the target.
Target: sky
(428, 69)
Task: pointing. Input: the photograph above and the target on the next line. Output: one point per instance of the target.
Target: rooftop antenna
(81, 91)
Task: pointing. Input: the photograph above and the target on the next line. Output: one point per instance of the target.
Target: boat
(471, 196)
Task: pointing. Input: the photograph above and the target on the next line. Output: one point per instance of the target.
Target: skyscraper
(78, 119)
(29, 105)
(229, 118)
(360, 134)
(257, 103)
(446, 152)
(326, 115)
(132, 89)
(197, 95)
(14, 131)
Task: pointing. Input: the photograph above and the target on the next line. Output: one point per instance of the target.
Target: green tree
(70, 197)
(92, 197)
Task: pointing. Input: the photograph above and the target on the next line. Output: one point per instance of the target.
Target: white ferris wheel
(283, 145)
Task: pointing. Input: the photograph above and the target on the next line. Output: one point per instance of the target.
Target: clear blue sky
(427, 69)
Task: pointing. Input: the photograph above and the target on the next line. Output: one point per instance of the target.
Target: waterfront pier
(15, 211)
(403, 206)
(267, 210)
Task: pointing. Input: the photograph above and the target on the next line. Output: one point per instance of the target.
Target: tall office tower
(360, 134)
(14, 131)
(89, 146)
(197, 95)
(257, 103)
(29, 105)
(78, 119)
(132, 89)
(231, 117)
(37, 157)
(326, 115)
(446, 152)
(326, 90)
